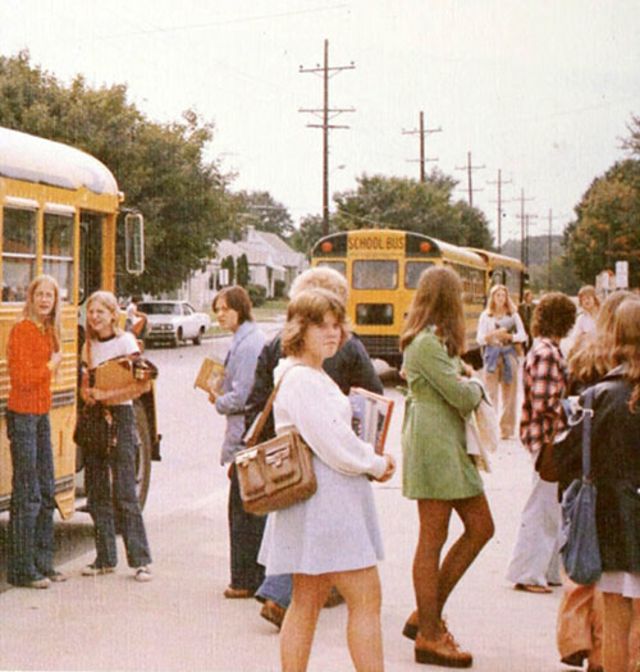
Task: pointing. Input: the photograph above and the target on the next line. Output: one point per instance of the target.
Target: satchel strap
(586, 433)
(256, 429)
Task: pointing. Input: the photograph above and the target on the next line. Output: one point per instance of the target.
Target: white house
(270, 259)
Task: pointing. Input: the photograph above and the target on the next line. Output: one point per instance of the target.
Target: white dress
(337, 528)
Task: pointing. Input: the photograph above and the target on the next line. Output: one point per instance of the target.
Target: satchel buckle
(245, 457)
(276, 457)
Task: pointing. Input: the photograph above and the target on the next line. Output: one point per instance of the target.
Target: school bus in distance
(382, 267)
(60, 213)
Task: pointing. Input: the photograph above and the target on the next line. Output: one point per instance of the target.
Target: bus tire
(143, 454)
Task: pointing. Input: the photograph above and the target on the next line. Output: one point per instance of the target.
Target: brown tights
(433, 582)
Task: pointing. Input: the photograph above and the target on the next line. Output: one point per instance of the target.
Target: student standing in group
(350, 367)
(615, 462)
(437, 471)
(579, 626)
(535, 560)
(525, 310)
(232, 307)
(33, 357)
(586, 320)
(501, 332)
(111, 470)
(332, 538)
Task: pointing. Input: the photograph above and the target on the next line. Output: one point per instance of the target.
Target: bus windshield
(375, 274)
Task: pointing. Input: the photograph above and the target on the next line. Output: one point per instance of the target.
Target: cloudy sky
(542, 90)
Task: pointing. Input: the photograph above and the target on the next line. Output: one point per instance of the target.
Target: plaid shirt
(545, 382)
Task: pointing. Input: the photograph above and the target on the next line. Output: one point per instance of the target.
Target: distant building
(270, 260)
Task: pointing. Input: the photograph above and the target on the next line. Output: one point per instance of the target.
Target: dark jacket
(350, 367)
(615, 448)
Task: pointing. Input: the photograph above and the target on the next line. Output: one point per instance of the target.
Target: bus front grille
(380, 346)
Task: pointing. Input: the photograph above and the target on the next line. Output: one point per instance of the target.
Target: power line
(325, 111)
(500, 201)
(422, 131)
(469, 168)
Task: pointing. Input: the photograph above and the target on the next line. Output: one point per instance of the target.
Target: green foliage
(242, 270)
(403, 203)
(606, 228)
(309, 232)
(229, 264)
(261, 210)
(161, 167)
(257, 294)
(278, 289)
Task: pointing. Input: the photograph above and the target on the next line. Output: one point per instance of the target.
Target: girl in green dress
(437, 471)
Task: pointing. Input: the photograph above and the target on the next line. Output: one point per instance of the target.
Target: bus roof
(27, 157)
(495, 259)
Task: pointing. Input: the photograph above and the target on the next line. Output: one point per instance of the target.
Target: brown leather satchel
(276, 473)
(546, 464)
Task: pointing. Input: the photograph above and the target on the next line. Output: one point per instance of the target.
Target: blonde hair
(438, 303)
(509, 306)
(308, 307)
(321, 277)
(626, 341)
(52, 321)
(588, 290)
(109, 301)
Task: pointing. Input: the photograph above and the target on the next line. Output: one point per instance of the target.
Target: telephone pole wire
(499, 182)
(422, 131)
(524, 228)
(469, 168)
(325, 111)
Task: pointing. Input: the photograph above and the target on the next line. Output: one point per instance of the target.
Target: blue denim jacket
(491, 356)
(240, 368)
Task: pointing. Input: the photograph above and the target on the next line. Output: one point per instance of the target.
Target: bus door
(91, 237)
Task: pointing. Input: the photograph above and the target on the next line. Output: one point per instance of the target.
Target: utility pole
(470, 168)
(499, 182)
(422, 131)
(325, 111)
(523, 224)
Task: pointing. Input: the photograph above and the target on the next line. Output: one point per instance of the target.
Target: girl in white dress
(332, 538)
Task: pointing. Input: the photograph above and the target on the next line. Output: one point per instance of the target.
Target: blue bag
(581, 551)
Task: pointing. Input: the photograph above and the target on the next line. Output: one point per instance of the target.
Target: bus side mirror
(134, 243)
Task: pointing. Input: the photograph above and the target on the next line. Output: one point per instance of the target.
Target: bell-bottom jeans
(111, 493)
(32, 498)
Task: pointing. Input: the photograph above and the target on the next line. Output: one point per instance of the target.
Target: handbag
(277, 473)
(481, 433)
(546, 464)
(95, 430)
(580, 550)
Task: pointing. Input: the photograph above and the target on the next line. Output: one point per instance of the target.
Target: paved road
(180, 621)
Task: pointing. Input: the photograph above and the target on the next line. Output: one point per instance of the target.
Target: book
(371, 416)
(210, 376)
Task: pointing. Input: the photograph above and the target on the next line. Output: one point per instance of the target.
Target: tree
(606, 227)
(308, 234)
(159, 166)
(403, 203)
(261, 210)
(242, 270)
(229, 264)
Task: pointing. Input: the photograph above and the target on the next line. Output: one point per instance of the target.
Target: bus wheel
(143, 455)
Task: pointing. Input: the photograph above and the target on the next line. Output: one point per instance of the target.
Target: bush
(278, 289)
(257, 294)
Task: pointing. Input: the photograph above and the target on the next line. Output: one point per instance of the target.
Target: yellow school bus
(60, 213)
(382, 267)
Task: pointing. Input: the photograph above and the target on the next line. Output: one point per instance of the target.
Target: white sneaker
(143, 574)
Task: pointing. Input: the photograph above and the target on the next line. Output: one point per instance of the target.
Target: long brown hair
(592, 356)
(626, 341)
(438, 303)
(509, 306)
(52, 321)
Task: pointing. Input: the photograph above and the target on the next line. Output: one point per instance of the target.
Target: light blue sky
(541, 89)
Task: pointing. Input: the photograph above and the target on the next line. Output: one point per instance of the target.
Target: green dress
(435, 461)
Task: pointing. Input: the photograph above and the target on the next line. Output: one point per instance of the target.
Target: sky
(540, 90)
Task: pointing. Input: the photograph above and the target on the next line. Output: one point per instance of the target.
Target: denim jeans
(245, 532)
(277, 588)
(32, 498)
(111, 492)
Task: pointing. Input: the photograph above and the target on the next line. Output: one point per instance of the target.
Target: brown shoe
(444, 651)
(237, 593)
(410, 630)
(533, 588)
(273, 612)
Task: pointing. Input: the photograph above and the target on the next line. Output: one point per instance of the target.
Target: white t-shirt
(119, 345)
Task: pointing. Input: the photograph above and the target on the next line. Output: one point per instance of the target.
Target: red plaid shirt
(545, 382)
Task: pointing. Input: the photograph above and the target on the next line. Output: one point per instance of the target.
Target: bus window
(339, 266)
(18, 253)
(375, 274)
(57, 253)
(91, 226)
(472, 283)
(413, 271)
